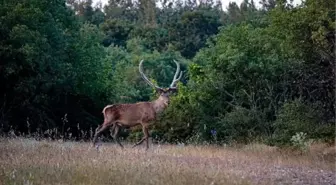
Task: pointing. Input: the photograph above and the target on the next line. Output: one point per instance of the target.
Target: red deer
(141, 113)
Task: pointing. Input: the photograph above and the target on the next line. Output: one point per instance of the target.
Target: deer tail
(104, 110)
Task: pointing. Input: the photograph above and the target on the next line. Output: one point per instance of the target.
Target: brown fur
(130, 115)
(142, 113)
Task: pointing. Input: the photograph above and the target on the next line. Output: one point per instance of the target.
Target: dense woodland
(257, 71)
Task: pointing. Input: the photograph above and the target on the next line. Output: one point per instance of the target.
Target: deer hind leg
(146, 135)
(95, 135)
(116, 134)
(99, 130)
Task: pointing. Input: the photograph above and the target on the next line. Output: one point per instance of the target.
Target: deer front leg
(112, 130)
(99, 130)
(116, 135)
(146, 135)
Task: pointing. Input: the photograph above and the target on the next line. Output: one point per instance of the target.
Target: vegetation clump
(261, 73)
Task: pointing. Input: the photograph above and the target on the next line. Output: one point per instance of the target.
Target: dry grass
(24, 161)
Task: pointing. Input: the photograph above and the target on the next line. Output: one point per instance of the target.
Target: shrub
(241, 125)
(300, 141)
(296, 117)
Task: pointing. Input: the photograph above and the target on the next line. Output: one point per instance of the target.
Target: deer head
(164, 92)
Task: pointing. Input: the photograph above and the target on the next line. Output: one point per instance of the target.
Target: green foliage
(299, 141)
(236, 14)
(308, 36)
(51, 62)
(241, 125)
(237, 75)
(92, 72)
(249, 73)
(126, 83)
(180, 119)
(194, 29)
(85, 12)
(240, 82)
(295, 117)
(117, 32)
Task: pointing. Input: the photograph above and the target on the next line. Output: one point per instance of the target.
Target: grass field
(26, 161)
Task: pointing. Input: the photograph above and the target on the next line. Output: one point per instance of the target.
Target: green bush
(300, 141)
(241, 125)
(297, 116)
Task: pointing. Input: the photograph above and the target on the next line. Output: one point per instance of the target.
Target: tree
(308, 32)
(51, 67)
(86, 12)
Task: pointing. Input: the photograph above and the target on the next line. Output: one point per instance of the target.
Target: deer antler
(145, 78)
(141, 113)
(173, 84)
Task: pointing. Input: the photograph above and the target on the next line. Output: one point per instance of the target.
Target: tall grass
(26, 161)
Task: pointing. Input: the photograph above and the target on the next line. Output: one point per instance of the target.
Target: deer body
(141, 113)
(130, 115)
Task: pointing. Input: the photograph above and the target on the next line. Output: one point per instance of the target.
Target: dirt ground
(26, 161)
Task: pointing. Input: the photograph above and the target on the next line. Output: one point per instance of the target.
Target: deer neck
(160, 104)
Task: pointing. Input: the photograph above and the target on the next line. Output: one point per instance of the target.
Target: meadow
(27, 161)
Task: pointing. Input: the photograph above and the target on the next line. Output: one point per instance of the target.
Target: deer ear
(159, 90)
(173, 90)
